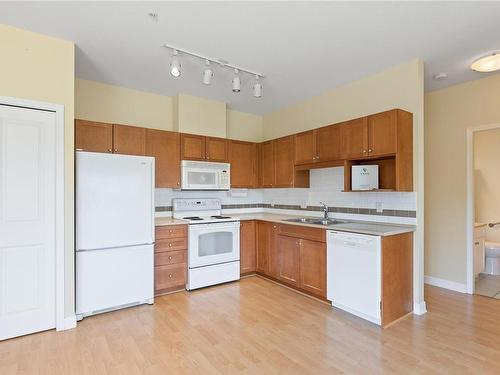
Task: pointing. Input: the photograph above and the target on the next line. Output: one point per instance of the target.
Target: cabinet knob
(178, 183)
(170, 275)
(364, 151)
(169, 245)
(476, 243)
(116, 150)
(170, 258)
(370, 150)
(110, 150)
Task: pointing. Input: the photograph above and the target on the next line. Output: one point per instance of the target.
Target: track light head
(207, 73)
(257, 88)
(236, 81)
(175, 65)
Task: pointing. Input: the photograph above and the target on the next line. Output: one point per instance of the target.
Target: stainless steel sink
(314, 220)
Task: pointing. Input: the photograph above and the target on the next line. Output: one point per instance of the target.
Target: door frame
(58, 109)
(470, 217)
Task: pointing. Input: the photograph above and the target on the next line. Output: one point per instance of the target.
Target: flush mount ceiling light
(257, 88)
(236, 81)
(175, 69)
(175, 65)
(488, 63)
(207, 73)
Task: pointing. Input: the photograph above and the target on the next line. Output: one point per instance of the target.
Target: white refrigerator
(114, 231)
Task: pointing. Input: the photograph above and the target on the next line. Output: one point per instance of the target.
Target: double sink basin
(315, 220)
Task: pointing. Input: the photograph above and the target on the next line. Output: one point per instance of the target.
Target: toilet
(492, 255)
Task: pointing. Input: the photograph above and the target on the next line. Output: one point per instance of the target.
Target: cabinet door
(382, 134)
(267, 164)
(283, 162)
(216, 149)
(165, 148)
(355, 138)
(305, 147)
(329, 143)
(313, 267)
(93, 136)
(288, 259)
(247, 247)
(243, 160)
(192, 147)
(263, 236)
(130, 140)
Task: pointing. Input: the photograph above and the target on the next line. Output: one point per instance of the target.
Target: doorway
(31, 217)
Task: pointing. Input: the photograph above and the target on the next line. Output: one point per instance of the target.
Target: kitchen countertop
(162, 221)
(353, 226)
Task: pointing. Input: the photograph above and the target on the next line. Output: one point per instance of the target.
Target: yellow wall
(448, 113)
(107, 103)
(487, 180)
(401, 86)
(244, 126)
(38, 67)
(200, 116)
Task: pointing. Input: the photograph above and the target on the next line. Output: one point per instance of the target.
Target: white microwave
(204, 175)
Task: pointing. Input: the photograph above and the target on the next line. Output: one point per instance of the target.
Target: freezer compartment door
(114, 200)
(109, 278)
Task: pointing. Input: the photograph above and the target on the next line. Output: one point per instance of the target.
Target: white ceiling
(304, 48)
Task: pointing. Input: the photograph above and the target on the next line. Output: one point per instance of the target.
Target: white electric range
(213, 243)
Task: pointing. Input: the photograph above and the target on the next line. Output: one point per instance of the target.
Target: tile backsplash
(326, 185)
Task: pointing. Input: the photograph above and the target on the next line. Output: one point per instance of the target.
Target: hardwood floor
(257, 327)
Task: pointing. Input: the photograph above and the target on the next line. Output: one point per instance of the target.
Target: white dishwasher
(354, 273)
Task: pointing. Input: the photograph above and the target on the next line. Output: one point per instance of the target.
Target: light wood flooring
(256, 327)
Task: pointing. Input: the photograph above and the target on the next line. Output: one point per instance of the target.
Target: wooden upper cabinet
(305, 147)
(247, 246)
(129, 140)
(243, 160)
(164, 146)
(329, 143)
(313, 267)
(288, 259)
(283, 160)
(216, 149)
(93, 136)
(267, 164)
(355, 138)
(382, 133)
(192, 147)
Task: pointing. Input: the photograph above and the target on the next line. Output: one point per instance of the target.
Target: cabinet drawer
(171, 231)
(171, 257)
(170, 276)
(307, 233)
(173, 244)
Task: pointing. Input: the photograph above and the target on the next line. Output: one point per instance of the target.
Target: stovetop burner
(192, 218)
(220, 217)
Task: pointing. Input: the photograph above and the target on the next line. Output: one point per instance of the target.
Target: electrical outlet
(378, 207)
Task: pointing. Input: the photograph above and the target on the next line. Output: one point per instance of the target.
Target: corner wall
(38, 67)
(448, 114)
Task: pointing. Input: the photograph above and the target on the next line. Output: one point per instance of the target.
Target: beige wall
(200, 116)
(401, 86)
(41, 68)
(244, 126)
(487, 180)
(107, 103)
(448, 113)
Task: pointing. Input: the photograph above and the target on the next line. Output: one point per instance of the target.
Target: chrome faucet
(325, 210)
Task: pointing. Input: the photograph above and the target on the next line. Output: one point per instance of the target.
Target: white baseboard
(419, 308)
(447, 284)
(69, 323)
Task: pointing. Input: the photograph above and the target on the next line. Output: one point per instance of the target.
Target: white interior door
(27, 220)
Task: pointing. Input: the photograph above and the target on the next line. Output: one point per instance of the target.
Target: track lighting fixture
(175, 65)
(257, 87)
(236, 81)
(207, 73)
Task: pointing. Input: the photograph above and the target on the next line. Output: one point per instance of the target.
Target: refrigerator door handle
(115, 247)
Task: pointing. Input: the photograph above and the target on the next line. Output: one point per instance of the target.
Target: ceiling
(303, 48)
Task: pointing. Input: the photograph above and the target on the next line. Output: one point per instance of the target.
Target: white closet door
(27, 221)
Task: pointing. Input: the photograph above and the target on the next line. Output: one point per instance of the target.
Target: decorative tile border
(343, 210)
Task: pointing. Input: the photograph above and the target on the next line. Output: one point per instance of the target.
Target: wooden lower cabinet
(247, 247)
(170, 258)
(266, 248)
(312, 259)
(288, 251)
